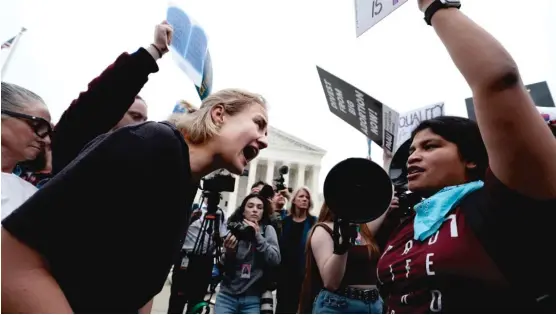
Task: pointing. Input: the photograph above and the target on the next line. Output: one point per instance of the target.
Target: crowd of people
(91, 225)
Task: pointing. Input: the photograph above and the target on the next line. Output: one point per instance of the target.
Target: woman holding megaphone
(340, 269)
(342, 252)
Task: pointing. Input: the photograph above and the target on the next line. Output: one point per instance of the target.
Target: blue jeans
(237, 304)
(332, 303)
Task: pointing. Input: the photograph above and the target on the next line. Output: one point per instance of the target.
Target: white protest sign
(189, 43)
(410, 120)
(370, 12)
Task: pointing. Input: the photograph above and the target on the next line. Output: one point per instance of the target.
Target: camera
(398, 175)
(241, 231)
(219, 183)
(283, 170)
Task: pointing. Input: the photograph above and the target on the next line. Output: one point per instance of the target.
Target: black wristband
(435, 6)
(157, 50)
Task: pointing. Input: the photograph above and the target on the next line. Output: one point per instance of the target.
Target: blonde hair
(293, 208)
(198, 126)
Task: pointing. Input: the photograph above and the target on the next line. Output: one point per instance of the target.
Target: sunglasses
(40, 126)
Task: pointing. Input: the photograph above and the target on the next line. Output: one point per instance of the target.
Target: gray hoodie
(245, 268)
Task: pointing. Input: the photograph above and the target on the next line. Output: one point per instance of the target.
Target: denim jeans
(237, 304)
(332, 303)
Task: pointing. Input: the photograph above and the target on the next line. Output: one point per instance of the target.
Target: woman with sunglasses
(25, 134)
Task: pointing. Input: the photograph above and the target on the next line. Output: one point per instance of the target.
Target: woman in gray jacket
(251, 249)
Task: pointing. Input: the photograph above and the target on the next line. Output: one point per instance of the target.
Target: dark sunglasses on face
(40, 126)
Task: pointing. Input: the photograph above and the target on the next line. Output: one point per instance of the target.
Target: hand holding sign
(163, 36)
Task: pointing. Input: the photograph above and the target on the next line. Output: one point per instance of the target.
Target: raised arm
(331, 266)
(521, 149)
(107, 99)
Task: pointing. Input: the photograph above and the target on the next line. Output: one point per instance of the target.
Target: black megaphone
(357, 190)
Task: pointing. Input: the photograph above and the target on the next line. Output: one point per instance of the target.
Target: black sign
(358, 109)
(539, 92)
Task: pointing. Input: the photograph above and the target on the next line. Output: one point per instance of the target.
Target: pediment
(281, 140)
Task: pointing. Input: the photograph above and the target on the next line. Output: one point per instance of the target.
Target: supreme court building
(302, 158)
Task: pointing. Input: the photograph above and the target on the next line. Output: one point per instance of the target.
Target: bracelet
(157, 50)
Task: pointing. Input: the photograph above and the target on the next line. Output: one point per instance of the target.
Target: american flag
(7, 44)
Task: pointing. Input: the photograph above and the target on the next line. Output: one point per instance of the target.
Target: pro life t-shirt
(15, 191)
(110, 224)
(451, 272)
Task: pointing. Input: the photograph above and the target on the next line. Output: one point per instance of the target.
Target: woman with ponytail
(340, 281)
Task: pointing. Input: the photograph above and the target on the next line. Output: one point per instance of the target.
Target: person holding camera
(340, 269)
(481, 237)
(64, 247)
(251, 248)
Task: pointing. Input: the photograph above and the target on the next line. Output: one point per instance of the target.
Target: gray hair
(16, 98)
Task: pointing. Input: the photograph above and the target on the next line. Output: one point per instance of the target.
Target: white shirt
(15, 191)
(195, 229)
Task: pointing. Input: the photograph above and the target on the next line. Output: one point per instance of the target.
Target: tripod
(206, 253)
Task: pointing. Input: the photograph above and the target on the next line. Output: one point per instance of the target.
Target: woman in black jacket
(63, 249)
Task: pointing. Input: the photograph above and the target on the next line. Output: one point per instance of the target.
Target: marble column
(315, 180)
(269, 171)
(232, 199)
(300, 175)
(252, 174)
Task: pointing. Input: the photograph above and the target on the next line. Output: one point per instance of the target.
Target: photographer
(250, 249)
(340, 277)
(63, 248)
(489, 189)
(279, 211)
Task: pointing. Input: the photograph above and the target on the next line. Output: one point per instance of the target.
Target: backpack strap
(325, 227)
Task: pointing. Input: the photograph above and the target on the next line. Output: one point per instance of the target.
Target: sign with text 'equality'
(370, 12)
(375, 120)
(411, 119)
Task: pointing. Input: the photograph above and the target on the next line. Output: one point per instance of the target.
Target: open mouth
(250, 152)
(414, 170)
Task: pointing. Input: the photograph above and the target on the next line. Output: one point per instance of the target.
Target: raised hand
(163, 33)
(253, 225)
(230, 243)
